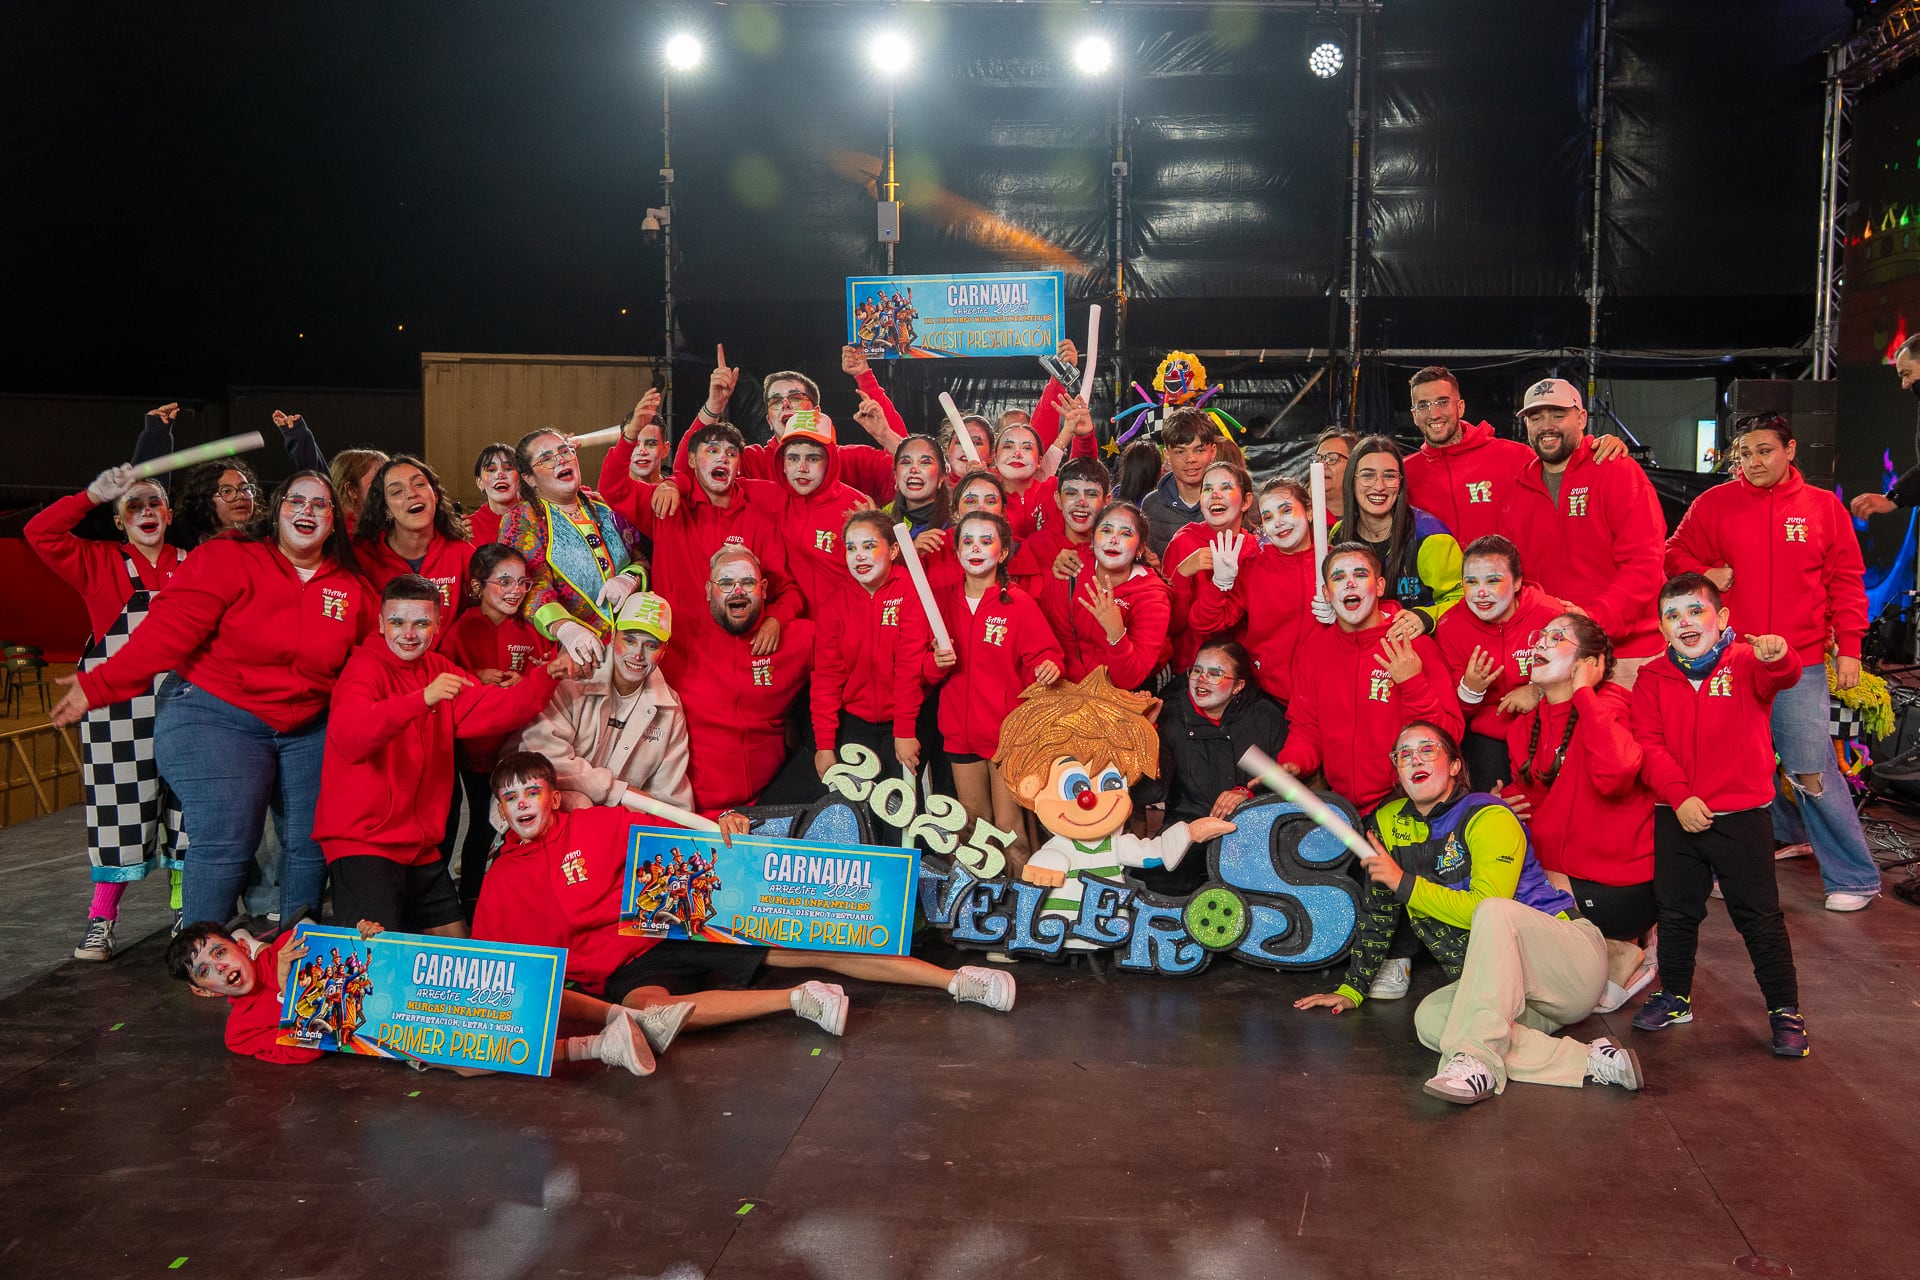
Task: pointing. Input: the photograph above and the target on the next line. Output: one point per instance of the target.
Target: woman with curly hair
(407, 525)
(211, 499)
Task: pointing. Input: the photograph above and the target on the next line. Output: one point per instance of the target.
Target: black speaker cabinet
(1812, 407)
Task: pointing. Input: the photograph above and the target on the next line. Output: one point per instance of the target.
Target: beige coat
(649, 754)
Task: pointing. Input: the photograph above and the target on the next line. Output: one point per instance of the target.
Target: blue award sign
(1001, 313)
(452, 1002)
(764, 891)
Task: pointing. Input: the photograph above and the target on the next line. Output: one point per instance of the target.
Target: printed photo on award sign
(764, 891)
(451, 1002)
(1002, 313)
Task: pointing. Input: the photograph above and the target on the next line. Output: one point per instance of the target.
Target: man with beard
(1906, 490)
(1593, 535)
(737, 699)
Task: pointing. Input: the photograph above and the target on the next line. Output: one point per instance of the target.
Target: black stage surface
(1132, 1128)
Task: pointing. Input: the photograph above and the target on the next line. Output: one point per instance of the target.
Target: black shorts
(964, 757)
(682, 966)
(407, 899)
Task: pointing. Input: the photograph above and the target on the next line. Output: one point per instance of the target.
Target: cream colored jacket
(649, 753)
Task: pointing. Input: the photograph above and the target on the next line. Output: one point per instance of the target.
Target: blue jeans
(229, 768)
(1804, 745)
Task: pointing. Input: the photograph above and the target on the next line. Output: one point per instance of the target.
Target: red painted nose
(1086, 799)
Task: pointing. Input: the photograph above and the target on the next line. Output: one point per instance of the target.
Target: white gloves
(614, 592)
(1226, 558)
(579, 642)
(112, 484)
(1322, 609)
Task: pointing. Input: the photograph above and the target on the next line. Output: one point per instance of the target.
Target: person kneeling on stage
(1524, 962)
(559, 880)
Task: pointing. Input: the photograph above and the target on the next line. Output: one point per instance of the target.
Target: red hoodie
(1714, 741)
(97, 570)
(1270, 607)
(1598, 546)
(1184, 590)
(1146, 611)
(444, 565)
(862, 466)
(237, 621)
(477, 643)
(253, 1020)
(736, 704)
(810, 528)
(485, 525)
(998, 644)
(564, 890)
(1796, 564)
(1034, 508)
(387, 773)
(1346, 710)
(1594, 820)
(1463, 484)
(873, 658)
(1460, 632)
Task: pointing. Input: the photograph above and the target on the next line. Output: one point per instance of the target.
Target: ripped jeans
(1805, 747)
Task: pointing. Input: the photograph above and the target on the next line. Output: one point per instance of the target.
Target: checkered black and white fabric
(133, 820)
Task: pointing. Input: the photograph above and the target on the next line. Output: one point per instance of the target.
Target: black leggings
(1738, 848)
(1622, 912)
(480, 834)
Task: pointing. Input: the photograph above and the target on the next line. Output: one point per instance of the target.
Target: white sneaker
(1392, 982)
(1465, 1080)
(1608, 1063)
(622, 1045)
(1612, 998)
(973, 984)
(660, 1023)
(1850, 901)
(97, 943)
(823, 1004)
(1801, 850)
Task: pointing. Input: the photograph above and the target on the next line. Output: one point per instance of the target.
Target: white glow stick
(910, 557)
(1318, 479)
(1262, 766)
(960, 430)
(606, 435)
(1093, 349)
(644, 803)
(207, 452)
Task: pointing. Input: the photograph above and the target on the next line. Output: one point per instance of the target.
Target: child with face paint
(1455, 866)
(980, 432)
(1114, 613)
(1002, 644)
(1059, 549)
(1204, 730)
(1355, 685)
(408, 525)
(921, 499)
(1487, 644)
(1271, 597)
(981, 491)
(875, 656)
(815, 502)
(1701, 717)
(133, 824)
(386, 777)
(1214, 546)
(496, 474)
(1420, 555)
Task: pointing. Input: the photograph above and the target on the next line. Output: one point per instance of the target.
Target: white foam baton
(592, 439)
(1317, 478)
(1093, 349)
(212, 449)
(960, 429)
(644, 803)
(910, 557)
(1293, 791)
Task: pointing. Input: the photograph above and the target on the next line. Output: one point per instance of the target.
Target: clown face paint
(1489, 587)
(1353, 588)
(1691, 624)
(870, 557)
(1116, 541)
(1287, 521)
(1212, 683)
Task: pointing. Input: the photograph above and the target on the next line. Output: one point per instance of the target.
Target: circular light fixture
(1092, 55)
(890, 53)
(684, 52)
(1326, 58)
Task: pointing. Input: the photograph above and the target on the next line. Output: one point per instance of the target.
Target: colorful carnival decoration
(1181, 383)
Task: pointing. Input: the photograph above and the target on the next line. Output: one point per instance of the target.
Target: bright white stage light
(1326, 59)
(684, 53)
(890, 53)
(1092, 55)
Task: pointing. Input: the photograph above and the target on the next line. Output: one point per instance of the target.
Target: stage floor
(1138, 1127)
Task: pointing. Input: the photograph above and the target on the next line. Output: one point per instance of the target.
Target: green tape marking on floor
(741, 1212)
(177, 1263)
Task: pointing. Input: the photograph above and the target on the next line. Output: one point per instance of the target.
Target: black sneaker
(1663, 1011)
(97, 943)
(1789, 1032)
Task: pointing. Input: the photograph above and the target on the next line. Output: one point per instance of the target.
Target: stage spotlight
(1326, 58)
(890, 53)
(1092, 55)
(684, 53)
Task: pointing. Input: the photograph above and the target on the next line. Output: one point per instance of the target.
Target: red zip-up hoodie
(1716, 741)
(874, 658)
(97, 570)
(1797, 571)
(1346, 710)
(863, 466)
(564, 890)
(476, 643)
(1183, 590)
(253, 1020)
(998, 644)
(1270, 608)
(1594, 821)
(387, 772)
(444, 565)
(810, 527)
(237, 620)
(736, 704)
(1599, 546)
(1034, 508)
(685, 542)
(1145, 606)
(1460, 632)
(1463, 484)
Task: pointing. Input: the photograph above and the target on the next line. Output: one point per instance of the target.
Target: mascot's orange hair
(1090, 720)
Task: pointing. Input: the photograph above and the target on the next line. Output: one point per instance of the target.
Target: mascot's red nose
(1086, 799)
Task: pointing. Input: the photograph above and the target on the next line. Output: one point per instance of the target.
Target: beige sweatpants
(1527, 974)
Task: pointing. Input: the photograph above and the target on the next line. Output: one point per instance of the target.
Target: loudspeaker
(1811, 407)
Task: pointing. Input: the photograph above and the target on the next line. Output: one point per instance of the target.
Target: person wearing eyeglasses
(1455, 867)
(255, 630)
(408, 525)
(133, 821)
(582, 555)
(1577, 784)
(212, 498)
(1333, 449)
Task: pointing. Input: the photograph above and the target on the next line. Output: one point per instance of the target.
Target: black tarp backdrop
(204, 184)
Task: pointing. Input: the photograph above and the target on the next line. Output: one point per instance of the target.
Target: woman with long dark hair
(1421, 558)
(408, 525)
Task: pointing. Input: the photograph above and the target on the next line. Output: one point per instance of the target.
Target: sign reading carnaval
(813, 894)
(451, 1002)
(1002, 313)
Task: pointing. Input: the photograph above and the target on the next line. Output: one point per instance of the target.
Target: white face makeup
(1080, 501)
(409, 627)
(410, 499)
(1353, 588)
(1211, 682)
(1221, 500)
(1691, 624)
(805, 465)
(957, 464)
(784, 399)
(1018, 454)
(1287, 521)
(506, 590)
(978, 495)
(1554, 653)
(869, 556)
(144, 515)
(527, 807)
(649, 452)
(305, 518)
(635, 655)
(981, 550)
(1489, 587)
(1426, 775)
(222, 968)
(916, 473)
(556, 468)
(499, 482)
(1116, 541)
(715, 463)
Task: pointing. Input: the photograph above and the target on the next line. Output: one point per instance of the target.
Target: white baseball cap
(1557, 392)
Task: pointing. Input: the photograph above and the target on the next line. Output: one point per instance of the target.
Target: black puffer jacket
(1199, 759)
